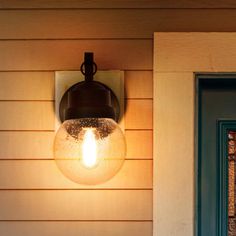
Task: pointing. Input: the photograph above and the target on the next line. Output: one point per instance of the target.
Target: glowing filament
(89, 149)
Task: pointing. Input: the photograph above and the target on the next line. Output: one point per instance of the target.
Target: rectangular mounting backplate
(113, 79)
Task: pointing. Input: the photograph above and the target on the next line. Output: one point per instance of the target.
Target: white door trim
(177, 56)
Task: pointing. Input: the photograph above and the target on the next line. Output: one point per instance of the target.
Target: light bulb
(89, 150)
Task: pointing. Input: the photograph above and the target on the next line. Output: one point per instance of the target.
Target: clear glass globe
(89, 150)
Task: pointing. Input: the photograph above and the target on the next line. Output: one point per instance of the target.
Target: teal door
(216, 120)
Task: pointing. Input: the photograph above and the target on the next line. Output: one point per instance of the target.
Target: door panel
(217, 104)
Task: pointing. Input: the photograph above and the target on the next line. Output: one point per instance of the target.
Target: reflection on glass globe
(89, 150)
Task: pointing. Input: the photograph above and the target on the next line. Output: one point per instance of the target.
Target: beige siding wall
(39, 37)
(35, 198)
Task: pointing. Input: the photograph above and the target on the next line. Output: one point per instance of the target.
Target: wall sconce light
(89, 146)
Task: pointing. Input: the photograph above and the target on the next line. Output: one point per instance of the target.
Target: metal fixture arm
(89, 67)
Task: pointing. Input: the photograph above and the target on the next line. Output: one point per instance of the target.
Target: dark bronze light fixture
(89, 147)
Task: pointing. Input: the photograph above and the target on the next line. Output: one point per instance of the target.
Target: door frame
(177, 57)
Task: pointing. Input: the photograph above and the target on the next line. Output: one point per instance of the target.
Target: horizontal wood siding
(73, 228)
(16, 4)
(15, 174)
(40, 85)
(37, 55)
(35, 197)
(114, 24)
(138, 114)
(86, 205)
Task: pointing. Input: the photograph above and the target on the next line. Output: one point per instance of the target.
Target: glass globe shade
(89, 150)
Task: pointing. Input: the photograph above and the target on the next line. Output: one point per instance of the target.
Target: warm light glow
(89, 149)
